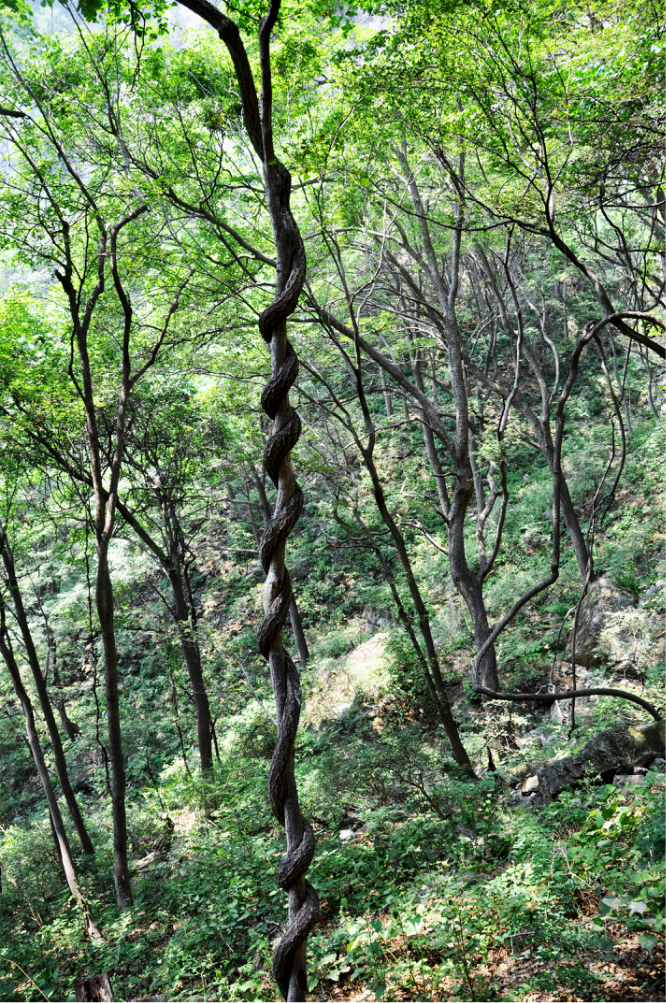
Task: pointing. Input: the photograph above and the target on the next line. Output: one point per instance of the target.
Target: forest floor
(431, 887)
(487, 896)
(631, 976)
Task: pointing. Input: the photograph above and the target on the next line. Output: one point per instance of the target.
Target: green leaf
(640, 907)
(609, 904)
(648, 941)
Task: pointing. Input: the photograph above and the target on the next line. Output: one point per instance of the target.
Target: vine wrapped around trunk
(289, 955)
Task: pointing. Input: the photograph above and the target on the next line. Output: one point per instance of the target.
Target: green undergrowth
(428, 883)
(425, 879)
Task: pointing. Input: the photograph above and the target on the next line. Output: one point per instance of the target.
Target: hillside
(332, 582)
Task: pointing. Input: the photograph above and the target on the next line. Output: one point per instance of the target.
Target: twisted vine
(289, 955)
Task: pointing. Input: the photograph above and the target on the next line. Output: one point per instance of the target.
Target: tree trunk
(459, 751)
(571, 520)
(480, 505)
(58, 828)
(69, 726)
(299, 633)
(183, 615)
(388, 401)
(576, 534)
(192, 656)
(466, 582)
(44, 701)
(104, 601)
(454, 515)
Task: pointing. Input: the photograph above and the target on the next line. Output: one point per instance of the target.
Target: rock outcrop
(602, 600)
(613, 751)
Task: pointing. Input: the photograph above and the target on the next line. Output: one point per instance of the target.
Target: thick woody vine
(289, 959)
(289, 956)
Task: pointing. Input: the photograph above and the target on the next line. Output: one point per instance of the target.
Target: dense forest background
(478, 189)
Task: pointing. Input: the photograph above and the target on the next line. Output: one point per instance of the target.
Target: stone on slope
(615, 750)
(602, 600)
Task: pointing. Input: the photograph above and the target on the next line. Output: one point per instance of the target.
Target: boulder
(628, 780)
(530, 785)
(602, 600)
(613, 751)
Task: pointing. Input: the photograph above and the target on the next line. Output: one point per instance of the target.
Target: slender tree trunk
(571, 520)
(253, 522)
(466, 582)
(576, 534)
(192, 656)
(58, 828)
(104, 602)
(459, 751)
(71, 729)
(42, 692)
(480, 506)
(388, 401)
(104, 521)
(52, 654)
(462, 576)
(436, 468)
(183, 614)
(299, 633)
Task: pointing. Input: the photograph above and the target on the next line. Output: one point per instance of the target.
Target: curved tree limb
(601, 691)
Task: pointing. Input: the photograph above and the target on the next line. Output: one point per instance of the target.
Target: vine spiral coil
(288, 956)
